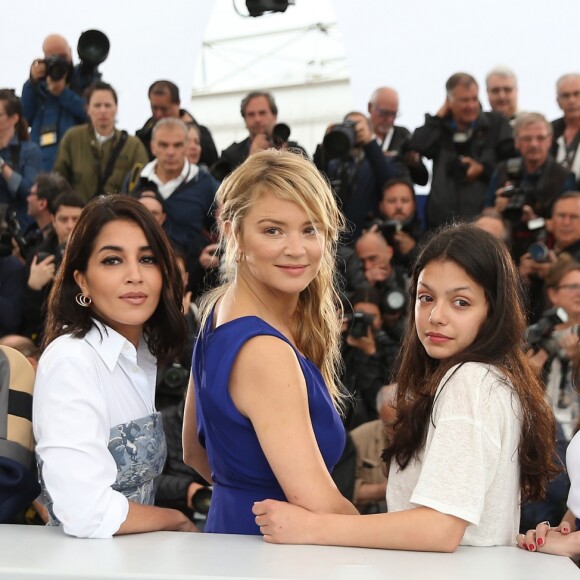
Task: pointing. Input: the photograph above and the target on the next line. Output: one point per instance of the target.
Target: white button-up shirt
(83, 388)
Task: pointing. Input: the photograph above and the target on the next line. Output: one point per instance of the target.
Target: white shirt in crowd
(83, 388)
(469, 467)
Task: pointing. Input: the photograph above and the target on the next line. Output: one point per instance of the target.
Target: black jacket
(451, 196)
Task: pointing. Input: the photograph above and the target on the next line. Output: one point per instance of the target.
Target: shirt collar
(109, 344)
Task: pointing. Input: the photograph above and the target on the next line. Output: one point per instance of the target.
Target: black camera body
(518, 193)
(389, 228)
(175, 377)
(280, 135)
(539, 335)
(340, 139)
(57, 67)
(360, 322)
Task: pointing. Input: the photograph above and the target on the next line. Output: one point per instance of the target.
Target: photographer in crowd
(502, 92)
(50, 105)
(399, 222)
(165, 102)
(366, 355)
(19, 157)
(353, 161)
(566, 144)
(44, 263)
(260, 114)
(393, 139)
(526, 187)
(43, 193)
(564, 234)
(465, 145)
(559, 342)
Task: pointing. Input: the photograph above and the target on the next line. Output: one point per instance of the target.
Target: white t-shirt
(83, 388)
(469, 467)
(573, 468)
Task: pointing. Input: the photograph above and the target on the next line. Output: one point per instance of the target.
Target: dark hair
(165, 331)
(165, 88)
(49, 186)
(459, 79)
(13, 106)
(100, 86)
(148, 189)
(370, 295)
(254, 95)
(400, 181)
(69, 198)
(499, 342)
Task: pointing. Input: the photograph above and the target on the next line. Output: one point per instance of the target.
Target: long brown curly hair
(499, 342)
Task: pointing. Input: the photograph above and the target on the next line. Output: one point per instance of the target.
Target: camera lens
(539, 252)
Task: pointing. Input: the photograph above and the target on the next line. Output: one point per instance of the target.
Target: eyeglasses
(569, 287)
(385, 112)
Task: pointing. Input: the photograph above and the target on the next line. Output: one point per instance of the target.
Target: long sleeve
(29, 101)
(71, 426)
(74, 104)
(426, 139)
(29, 166)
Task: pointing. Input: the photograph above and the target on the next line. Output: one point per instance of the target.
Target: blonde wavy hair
(290, 177)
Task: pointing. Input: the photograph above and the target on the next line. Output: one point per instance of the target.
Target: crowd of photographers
(512, 173)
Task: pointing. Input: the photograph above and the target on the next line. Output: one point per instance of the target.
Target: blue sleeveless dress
(240, 470)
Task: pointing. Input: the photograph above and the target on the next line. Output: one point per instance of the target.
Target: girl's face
(122, 278)
(450, 308)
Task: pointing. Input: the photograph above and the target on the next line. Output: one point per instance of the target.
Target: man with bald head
(383, 109)
(49, 104)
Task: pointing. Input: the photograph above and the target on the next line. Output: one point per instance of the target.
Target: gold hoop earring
(82, 300)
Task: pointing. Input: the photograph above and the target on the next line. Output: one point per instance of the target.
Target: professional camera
(340, 139)
(456, 167)
(201, 500)
(519, 194)
(14, 231)
(389, 228)
(538, 250)
(394, 301)
(175, 377)
(57, 67)
(539, 335)
(93, 49)
(280, 135)
(360, 322)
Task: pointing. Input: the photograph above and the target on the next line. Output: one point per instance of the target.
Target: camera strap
(104, 176)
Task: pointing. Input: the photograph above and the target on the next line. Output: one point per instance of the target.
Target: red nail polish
(532, 547)
(540, 542)
(526, 546)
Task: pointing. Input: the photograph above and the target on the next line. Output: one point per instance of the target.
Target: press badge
(48, 136)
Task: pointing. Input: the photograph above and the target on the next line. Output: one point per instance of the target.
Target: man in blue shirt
(50, 105)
